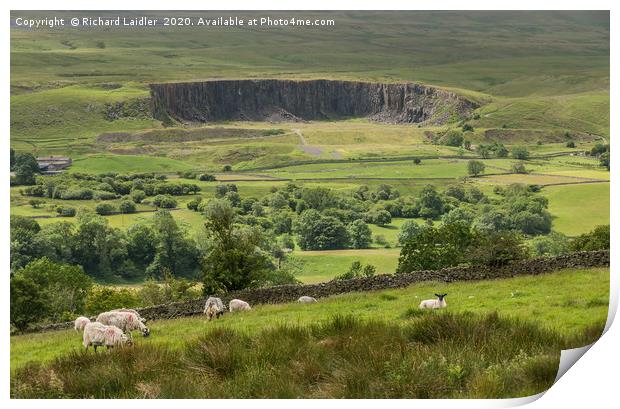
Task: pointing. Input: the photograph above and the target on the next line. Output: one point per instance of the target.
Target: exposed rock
(260, 100)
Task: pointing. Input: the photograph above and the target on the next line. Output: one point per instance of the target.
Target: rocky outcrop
(287, 100)
(290, 293)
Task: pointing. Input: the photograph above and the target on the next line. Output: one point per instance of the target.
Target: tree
(382, 217)
(64, 286)
(105, 209)
(553, 244)
(452, 138)
(408, 231)
(318, 232)
(360, 234)
(175, 253)
(141, 245)
(417, 161)
(519, 168)
(127, 206)
(234, 259)
(467, 128)
(597, 239)
(36, 203)
(496, 249)
(436, 247)
(164, 201)
(137, 195)
(570, 144)
(604, 160)
(205, 177)
(520, 152)
(430, 203)
(475, 167)
(27, 303)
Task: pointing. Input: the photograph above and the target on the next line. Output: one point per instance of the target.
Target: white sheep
(306, 300)
(80, 323)
(238, 305)
(214, 307)
(434, 304)
(126, 321)
(97, 335)
(131, 310)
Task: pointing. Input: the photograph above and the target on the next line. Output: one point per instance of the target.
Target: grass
(573, 300)
(578, 208)
(435, 356)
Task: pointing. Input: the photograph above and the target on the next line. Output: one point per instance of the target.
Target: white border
(592, 380)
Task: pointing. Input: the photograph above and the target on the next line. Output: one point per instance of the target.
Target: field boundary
(290, 293)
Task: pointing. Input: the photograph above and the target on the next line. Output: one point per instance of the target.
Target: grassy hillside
(573, 300)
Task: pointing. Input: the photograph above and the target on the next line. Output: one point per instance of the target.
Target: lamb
(97, 335)
(434, 304)
(126, 321)
(214, 307)
(131, 310)
(238, 305)
(306, 300)
(80, 323)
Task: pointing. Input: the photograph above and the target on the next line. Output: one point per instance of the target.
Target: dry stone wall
(289, 293)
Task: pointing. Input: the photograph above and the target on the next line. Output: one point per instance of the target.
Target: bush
(520, 152)
(194, 203)
(570, 144)
(137, 195)
(27, 302)
(553, 244)
(164, 201)
(519, 168)
(475, 167)
(205, 177)
(452, 138)
(36, 203)
(65, 211)
(597, 239)
(417, 161)
(227, 168)
(105, 209)
(127, 206)
(358, 270)
(103, 298)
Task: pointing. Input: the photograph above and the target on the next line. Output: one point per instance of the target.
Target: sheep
(238, 305)
(126, 321)
(214, 307)
(80, 323)
(132, 311)
(97, 335)
(306, 300)
(434, 304)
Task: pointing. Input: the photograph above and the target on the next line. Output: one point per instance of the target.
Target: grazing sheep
(130, 310)
(80, 323)
(214, 307)
(434, 304)
(126, 321)
(97, 335)
(238, 305)
(306, 300)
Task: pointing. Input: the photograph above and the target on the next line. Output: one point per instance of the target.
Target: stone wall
(289, 293)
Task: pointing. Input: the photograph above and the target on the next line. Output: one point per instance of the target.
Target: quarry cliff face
(287, 100)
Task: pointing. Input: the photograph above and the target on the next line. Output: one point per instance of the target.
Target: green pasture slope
(567, 301)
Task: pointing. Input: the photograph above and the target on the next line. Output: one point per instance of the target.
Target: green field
(578, 208)
(574, 299)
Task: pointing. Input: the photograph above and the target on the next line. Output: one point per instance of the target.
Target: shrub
(452, 138)
(65, 211)
(475, 167)
(137, 195)
(467, 128)
(36, 203)
(520, 152)
(27, 302)
(105, 209)
(597, 239)
(164, 201)
(357, 270)
(127, 206)
(417, 161)
(227, 168)
(553, 244)
(570, 144)
(205, 177)
(103, 195)
(519, 168)
(103, 298)
(194, 203)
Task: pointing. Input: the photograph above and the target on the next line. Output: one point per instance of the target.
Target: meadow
(495, 339)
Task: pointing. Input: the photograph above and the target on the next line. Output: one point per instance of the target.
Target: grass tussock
(436, 355)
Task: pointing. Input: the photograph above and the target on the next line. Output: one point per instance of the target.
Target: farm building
(53, 164)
